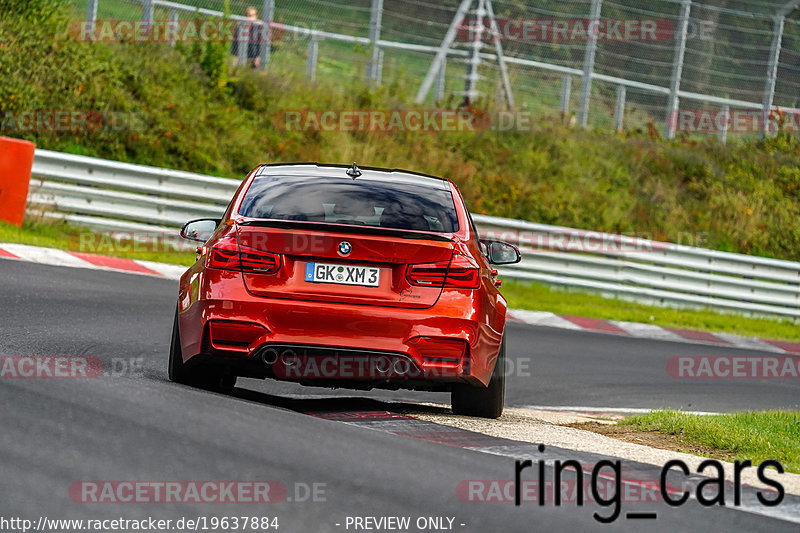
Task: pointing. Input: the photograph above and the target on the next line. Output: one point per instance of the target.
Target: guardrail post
(267, 14)
(311, 62)
(566, 90)
(619, 111)
(588, 67)
(723, 132)
(677, 71)
(375, 21)
(772, 72)
(91, 14)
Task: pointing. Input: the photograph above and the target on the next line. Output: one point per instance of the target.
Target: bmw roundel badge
(345, 248)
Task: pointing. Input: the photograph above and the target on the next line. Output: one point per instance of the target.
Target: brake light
(226, 254)
(461, 273)
(259, 261)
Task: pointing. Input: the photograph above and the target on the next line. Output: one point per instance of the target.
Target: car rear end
(326, 280)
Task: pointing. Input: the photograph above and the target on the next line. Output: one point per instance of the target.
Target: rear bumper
(336, 344)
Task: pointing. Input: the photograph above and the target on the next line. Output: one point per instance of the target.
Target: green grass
(756, 435)
(64, 237)
(540, 297)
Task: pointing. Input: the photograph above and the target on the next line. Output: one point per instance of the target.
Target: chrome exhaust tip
(269, 356)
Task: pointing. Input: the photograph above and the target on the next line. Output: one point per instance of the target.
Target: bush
(743, 197)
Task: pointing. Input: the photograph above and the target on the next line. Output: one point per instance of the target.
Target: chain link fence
(671, 65)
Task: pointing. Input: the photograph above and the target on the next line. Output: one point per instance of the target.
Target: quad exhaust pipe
(384, 366)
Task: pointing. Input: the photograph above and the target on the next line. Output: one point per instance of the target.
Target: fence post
(91, 14)
(313, 54)
(147, 11)
(379, 79)
(677, 71)
(619, 111)
(566, 90)
(772, 72)
(473, 64)
(440, 81)
(588, 66)
(441, 54)
(173, 26)
(267, 14)
(375, 21)
(723, 132)
(243, 33)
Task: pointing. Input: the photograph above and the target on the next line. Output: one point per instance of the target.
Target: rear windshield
(333, 200)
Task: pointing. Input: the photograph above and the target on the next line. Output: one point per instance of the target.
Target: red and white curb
(64, 258)
(649, 331)
(52, 256)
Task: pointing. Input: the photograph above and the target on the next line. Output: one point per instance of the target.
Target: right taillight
(226, 254)
(460, 273)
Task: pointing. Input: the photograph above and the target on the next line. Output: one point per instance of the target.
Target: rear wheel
(205, 378)
(482, 402)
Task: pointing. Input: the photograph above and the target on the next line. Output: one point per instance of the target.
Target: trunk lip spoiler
(345, 228)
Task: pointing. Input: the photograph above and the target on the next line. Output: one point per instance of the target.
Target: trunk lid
(301, 244)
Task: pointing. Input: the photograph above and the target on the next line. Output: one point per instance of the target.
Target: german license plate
(343, 274)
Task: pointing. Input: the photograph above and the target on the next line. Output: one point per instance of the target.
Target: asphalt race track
(134, 425)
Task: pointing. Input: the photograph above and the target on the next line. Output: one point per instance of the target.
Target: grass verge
(65, 237)
(540, 297)
(754, 435)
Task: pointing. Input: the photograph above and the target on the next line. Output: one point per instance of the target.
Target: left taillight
(461, 273)
(226, 254)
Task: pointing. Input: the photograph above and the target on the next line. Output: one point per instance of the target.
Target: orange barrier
(16, 161)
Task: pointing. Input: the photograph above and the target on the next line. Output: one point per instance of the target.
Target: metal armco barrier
(112, 196)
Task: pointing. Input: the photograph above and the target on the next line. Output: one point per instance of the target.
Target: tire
(194, 377)
(483, 402)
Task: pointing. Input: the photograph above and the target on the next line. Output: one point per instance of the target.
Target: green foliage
(214, 60)
(743, 197)
(32, 10)
(754, 435)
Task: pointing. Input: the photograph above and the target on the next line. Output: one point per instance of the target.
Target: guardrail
(112, 196)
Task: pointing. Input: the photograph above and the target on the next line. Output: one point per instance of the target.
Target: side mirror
(199, 230)
(501, 253)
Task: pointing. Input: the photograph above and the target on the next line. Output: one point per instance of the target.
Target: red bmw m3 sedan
(340, 276)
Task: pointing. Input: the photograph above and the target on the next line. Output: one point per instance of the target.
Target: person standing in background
(248, 33)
